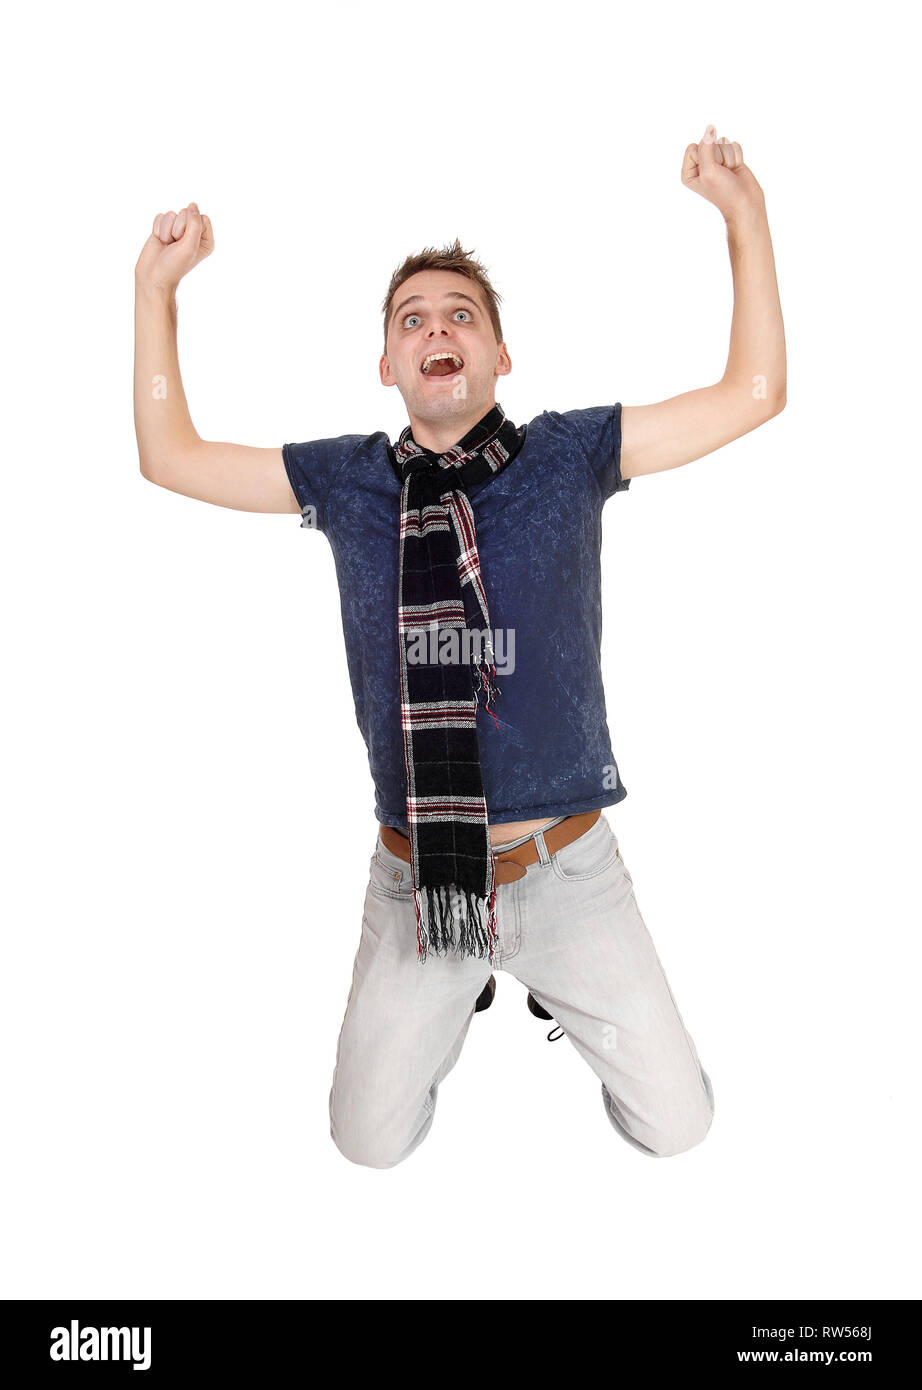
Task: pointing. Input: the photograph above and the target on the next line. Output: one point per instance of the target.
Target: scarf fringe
(435, 928)
(484, 679)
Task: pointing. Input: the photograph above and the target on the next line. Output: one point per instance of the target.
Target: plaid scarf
(441, 590)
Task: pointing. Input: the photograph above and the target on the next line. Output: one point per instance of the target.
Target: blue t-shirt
(539, 536)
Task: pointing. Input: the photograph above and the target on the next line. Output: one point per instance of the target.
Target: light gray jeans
(572, 933)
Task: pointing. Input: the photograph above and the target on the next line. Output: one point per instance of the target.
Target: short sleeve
(598, 430)
(312, 468)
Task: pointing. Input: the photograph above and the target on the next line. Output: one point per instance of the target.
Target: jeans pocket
(592, 853)
(389, 876)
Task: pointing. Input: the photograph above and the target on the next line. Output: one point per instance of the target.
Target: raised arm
(170, 450)
(753, 387)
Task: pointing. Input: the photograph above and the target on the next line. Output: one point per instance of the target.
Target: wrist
(154, 291)
(750, 218)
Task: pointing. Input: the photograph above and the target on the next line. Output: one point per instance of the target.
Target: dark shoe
(536, 1008)
(485, 998)
(539, 1012)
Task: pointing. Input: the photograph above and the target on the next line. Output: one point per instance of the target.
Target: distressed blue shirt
(539, 536)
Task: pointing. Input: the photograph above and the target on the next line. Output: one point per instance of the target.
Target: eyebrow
(452, 294)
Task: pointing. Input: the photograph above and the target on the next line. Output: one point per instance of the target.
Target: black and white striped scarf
(441, 590)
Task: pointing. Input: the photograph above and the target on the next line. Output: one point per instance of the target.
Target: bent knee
(686, 1135)
(367, 1155)
(374, 1145)
(673, 1131)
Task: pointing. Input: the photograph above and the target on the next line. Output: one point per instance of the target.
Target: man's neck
(441, 435)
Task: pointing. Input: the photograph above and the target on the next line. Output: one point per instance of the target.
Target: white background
(189, 807)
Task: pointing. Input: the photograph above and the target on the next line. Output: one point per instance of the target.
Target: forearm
(163, 424)
(756, 363)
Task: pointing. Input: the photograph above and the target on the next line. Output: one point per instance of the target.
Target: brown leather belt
(511, 863)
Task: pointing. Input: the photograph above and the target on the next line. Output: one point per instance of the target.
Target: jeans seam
(339, 1040)
(691, 1050)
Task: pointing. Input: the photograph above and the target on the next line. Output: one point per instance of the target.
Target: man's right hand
(176, 244)
(170, 451)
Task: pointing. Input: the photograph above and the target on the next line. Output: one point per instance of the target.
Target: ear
(384, 369)
(503, 361)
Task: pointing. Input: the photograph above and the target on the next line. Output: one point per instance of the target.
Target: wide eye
(407, 321)
(462, 311)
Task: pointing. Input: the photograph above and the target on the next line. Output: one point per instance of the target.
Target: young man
(468, 559)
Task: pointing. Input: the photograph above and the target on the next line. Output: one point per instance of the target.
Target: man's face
(442, 312)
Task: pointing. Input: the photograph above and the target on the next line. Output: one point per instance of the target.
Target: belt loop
(542, 847)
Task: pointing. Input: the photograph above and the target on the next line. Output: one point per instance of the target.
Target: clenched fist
(715, 169)
(178, 241)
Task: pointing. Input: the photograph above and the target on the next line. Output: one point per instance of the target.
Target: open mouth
(441, 364)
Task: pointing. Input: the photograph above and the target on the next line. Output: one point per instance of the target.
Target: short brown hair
(445, 258)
